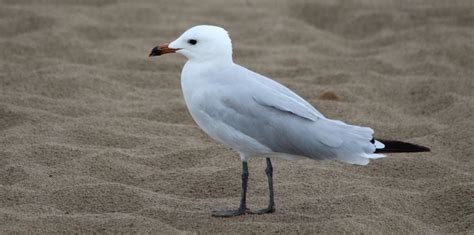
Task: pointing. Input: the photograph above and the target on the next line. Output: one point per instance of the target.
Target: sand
(95, 136)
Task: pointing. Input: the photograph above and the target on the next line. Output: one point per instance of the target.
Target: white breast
(202, 90)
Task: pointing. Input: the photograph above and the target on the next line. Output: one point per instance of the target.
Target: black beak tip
(155, 52)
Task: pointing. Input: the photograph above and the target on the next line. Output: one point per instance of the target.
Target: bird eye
(192, 41)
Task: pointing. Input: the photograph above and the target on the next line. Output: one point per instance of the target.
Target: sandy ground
(95, 136)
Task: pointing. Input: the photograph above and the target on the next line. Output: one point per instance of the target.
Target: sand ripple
(95, 136)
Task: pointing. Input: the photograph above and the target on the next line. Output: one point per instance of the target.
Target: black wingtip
(394, 146)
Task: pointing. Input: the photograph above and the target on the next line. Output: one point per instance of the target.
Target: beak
(161, 49)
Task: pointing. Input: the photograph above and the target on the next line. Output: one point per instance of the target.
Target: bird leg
(243, 204)
(271, 202)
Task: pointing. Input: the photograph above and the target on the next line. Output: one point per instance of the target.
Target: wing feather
(284, 103)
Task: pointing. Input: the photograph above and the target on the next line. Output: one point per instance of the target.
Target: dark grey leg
(271, 202)
(243, 197)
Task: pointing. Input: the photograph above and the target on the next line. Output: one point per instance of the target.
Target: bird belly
(227, 135)
(197, 96)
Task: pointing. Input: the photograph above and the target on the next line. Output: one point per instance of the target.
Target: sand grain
(95, 137)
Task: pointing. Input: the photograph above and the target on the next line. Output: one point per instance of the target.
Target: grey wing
(277, 121)
(285, 103)
(274, 86)
(271, 115)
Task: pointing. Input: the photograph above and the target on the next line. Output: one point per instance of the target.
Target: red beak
(161, 49)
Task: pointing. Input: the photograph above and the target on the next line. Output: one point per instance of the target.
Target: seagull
(259, 117)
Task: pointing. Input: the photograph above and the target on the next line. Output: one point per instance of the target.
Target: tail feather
(394, 146)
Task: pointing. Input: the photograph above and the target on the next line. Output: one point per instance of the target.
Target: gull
(259, 117)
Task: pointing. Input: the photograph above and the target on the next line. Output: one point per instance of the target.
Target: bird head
(199, 43)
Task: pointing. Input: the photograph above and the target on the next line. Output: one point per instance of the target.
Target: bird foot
(229, 213)
(262, 211)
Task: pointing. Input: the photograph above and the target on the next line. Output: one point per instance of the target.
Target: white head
(200, 43)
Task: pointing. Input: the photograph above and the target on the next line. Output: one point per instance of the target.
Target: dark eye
(192, 41)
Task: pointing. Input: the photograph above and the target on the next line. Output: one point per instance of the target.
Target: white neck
(207, 67)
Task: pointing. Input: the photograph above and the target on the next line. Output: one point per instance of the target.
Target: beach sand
(95, 136)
